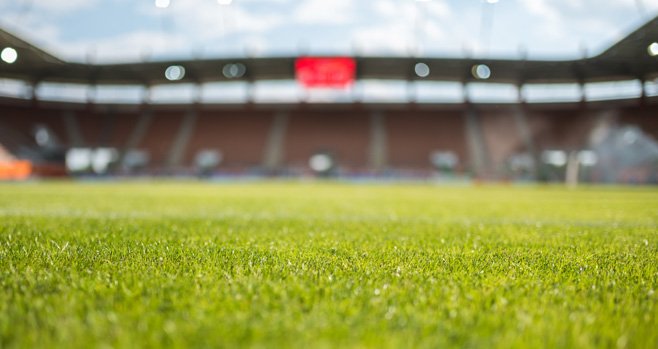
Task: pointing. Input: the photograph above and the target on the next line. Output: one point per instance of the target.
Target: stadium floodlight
(422, 70)
(492, 1)
(234, 70)
(9, 55)
(653, 49)
(175, 72)
(481, 71)
(224, 2)
(162, 3)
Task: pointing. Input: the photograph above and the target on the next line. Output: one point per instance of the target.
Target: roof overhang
(626, 60)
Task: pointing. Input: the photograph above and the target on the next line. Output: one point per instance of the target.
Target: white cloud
(649, 5)
(324, 12)
(438, 9)
(62, 6)
(542, 8)
(433, 31)
(133, 46)
(403, 27)
(385, 8)
(392, 38)
(202, 20)
(376, 27)
(32, 29)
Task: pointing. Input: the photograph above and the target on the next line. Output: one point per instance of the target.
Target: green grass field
(327, 265)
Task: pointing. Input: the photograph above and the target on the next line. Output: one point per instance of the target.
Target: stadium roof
(633, 57)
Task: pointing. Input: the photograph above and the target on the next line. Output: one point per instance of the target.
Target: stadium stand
(239, 136)
(513, 140)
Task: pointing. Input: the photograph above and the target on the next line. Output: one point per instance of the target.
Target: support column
(108, 125)
(377, 151)
(185, 132)
(475, 141)
(522, 127)
(412, 91)
(573, 167)
(138, 133)
(251, 92)
(583, 94)
(72, 130)
(273, 157)
(92, 92)
(643, 91)
(31, 91)
(135, 137)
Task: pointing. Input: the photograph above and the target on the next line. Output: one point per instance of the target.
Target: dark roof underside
(626, 60)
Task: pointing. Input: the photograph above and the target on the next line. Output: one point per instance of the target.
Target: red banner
(328, 72)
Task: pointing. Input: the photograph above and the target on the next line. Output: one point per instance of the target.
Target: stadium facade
(605, 130)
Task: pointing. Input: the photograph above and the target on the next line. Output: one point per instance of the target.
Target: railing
(366, 91)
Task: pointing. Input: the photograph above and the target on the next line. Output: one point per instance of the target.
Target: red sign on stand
(325, 72)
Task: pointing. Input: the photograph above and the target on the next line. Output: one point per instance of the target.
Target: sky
(128, 30)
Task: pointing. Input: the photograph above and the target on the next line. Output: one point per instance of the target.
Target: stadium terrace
(452, 118)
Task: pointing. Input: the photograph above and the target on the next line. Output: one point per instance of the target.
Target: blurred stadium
(389, 99)
(593, 118)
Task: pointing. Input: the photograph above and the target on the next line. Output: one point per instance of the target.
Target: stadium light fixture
(175, 72)
(234, 70)
(422, 70)
(492, 1)
(481, 71)
(653, 49)
(9, 55)
(162, 3)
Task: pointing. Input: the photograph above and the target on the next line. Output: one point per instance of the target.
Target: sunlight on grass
(327, 264)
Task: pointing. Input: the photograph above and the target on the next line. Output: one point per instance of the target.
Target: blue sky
(125, 30)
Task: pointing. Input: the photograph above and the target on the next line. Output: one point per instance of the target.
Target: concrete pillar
(520, 117)
(525, 133)
(72, 130)
(31, 91)
(475, 141)
(377, 151)
(139, 131)
(182, 138)
(274, 148)
(92, 91)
